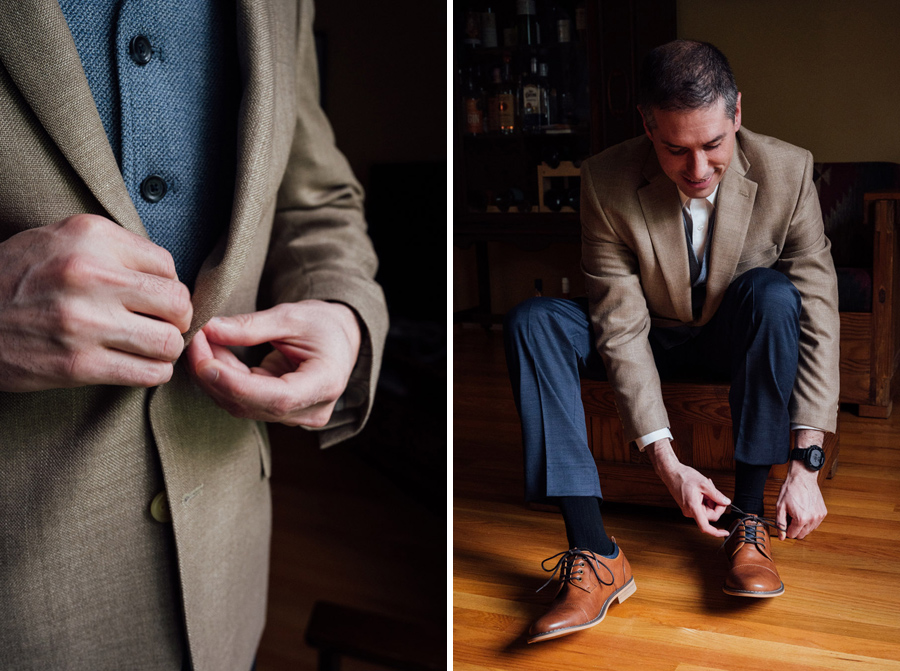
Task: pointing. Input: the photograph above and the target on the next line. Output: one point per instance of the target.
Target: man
(703, 251)
(166, 170)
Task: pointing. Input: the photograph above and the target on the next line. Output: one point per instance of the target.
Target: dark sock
(749, 487)
(584, 524)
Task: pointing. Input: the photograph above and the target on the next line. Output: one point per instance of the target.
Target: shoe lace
(568, 561)
(750, 531)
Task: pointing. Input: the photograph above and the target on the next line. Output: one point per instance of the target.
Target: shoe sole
(621, 594)
(752, 594)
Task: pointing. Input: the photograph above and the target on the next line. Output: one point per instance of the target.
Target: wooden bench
(701, 425)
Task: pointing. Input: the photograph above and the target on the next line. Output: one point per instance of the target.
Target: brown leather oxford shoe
(589, 583)
(752, 570)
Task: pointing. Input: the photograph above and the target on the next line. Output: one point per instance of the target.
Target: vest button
(140, 50)
(159, 508)
(153, 188)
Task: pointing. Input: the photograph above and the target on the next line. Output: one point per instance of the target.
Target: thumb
(781, 519)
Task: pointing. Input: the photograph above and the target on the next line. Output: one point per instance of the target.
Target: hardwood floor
(344, 532)
(840, 610)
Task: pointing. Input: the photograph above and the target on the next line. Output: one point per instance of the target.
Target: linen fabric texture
(88, 580)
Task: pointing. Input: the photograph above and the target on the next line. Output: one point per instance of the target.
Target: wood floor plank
(840, 610)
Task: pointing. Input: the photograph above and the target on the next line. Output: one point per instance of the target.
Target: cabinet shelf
(532, 230)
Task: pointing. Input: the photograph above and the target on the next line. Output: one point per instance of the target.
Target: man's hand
(316, 346)
(83, 301)
(694, 493)
(800, 496)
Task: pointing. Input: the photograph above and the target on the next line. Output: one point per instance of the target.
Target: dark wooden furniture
(338, 631)
(701, 426)
(870, 340)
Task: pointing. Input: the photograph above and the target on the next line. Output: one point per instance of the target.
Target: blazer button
(140, 50)
(153, 188)
(159, 508)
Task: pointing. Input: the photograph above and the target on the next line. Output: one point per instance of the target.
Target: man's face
(695, 147)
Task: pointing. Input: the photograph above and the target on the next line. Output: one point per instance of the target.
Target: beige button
(159, 508)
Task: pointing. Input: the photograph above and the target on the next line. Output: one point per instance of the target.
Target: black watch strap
(813, 457)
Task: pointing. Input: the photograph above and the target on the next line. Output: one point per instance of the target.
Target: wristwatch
(813, 457)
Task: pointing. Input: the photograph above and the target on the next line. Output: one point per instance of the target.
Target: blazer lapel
(662, 214)
(734, 206)
(252, 195)
(36, 47)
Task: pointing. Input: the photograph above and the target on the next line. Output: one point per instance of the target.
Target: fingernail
(209, 373)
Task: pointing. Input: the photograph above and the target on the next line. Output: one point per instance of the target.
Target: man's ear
(644, 121)
(737, 113)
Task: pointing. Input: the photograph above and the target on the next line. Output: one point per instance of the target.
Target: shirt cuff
(652, 437)
(799, 427)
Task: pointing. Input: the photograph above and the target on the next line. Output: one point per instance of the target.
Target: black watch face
(816, 458)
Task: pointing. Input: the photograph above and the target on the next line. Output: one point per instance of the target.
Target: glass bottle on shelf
(473, 104)
(489, 27)
(531, 97)
(501, 107)
(548, 101)
(472, 27)
(527, 27)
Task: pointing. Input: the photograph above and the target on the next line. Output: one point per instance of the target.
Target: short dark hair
(685, 75)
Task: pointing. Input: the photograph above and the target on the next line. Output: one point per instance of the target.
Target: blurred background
(362, 525)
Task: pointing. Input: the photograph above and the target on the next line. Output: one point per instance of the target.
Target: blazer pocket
(763, 259)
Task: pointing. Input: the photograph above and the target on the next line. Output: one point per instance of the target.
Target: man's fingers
(133, 251)
(781, 519)
(106, 366)
(290, 399)
(146, 337)
(700, 518)
(714, 495)
(249, 329)
(228, 357)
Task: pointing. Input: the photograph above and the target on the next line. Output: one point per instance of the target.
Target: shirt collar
(685, 200)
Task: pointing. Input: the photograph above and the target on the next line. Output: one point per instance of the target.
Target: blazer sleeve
(806, 260)
(319, 247)
(619, 314)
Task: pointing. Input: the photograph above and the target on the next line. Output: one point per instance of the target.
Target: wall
(821, 74)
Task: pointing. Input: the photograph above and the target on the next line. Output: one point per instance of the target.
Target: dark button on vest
(140, 50)
(153, 189)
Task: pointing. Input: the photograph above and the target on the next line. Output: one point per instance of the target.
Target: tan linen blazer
(88, 578)
(634, 256)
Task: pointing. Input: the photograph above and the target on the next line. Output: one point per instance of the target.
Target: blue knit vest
(164, 77)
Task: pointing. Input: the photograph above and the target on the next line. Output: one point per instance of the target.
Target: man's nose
(696, 165)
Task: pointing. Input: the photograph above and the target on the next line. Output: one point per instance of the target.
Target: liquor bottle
(472, 28)
(563, 67)
(507, 102)
(473, 102)
(527, 27)
(565, 287)
(581, 99)
(501, 109)
(489, 27)
(548, 97)
(531, 96)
